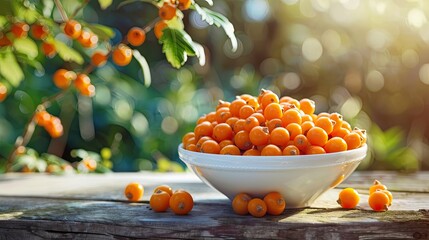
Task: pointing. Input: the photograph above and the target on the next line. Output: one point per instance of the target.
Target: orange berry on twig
(167, 11)
(122, 55)
(136, 36)
(73, 29)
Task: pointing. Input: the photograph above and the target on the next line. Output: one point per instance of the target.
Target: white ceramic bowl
(300, 179)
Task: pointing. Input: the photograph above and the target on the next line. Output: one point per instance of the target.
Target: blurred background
(368, 60)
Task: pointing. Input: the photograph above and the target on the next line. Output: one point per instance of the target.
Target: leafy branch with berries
(28, 30)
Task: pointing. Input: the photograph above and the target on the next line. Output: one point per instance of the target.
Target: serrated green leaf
(67, 53)
(219, 20)
(105, 3)
(10, 69)
(145, 67)
(26, 46)
(177, 46)
(103, 32)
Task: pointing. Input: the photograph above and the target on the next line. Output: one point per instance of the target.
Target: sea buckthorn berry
(335, 144)
(346, 125)
(222, 104)
(73, 29)
(290, 150)
(275, 202)
(259, 136)
(260, 117)
(211, 116)
(377, 186)
(181, 202)
(314, 150)
(250, 123)
(54, 127)
(63, 78)
(340, 132)
(82, 82)
(267, 98)
(271, 150)
(231, 122)
(39, 31)
(159, 28)
(167, 11)
(98, 59)
(242, 140)
(42, 117)
(378, 201)
(317, 136)
(353, 140)
(136, 36)
(239, 125)
(389, 194)
(348, 198)
(272, 111)
(203, 129)
(222, 131)
(252, 101)
(252, 152)
(210, 146)
(257, 207)
(89, 42)
(308, 106)
(134, 191)
(291, 116)
(235, 107)
(3, 92)
(164, 188)
(225, 142)
(285, 99)
(89, 163)
(294, 129)
(326, 123)
(88, 91)
(223, 114)
(246, 111)
(306, 118)
(301, 142)
(338, 119)
(184, 4)
(48, 49)
(240, 203)
(20, 29)
(187, 136)
(201, 141)
(274, 123)
(245, 96)
(305, 126)
(323, 114)
(230, 150)
(280, 137)
(159, 201)
(191, 147)
(122, 55)
(4, 40)
(362, 133)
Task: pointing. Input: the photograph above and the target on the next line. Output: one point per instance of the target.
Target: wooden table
(38, 206)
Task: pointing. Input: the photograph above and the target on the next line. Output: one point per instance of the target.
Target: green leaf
(67, 53)
(145, 67)
(10, 69)
(32, 62)
(105, 3)
(3, 21)
(200, 53)
(103, 32)
(26, 46)
(218, 20)
(177, 45)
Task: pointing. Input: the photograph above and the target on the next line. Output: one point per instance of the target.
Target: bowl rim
(237, 162)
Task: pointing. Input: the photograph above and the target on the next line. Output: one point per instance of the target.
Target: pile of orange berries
(273, 204)
(51, 123)
(163, 197)
(379, 197)
(267, 125)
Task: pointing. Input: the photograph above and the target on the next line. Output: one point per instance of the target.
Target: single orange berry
(159, 201)
(377, 186)
(88, 91)
(353, 140)
(136, 36)
(240, 203)
(98, 59)
(317, 136)
(181, 202)
(48, 49)
(210, 146)
(291, 150)
(122, 55)
(39, 31)
(134, 191)
(4, 40)
(335, 144)
(271, 150)
(257, 207)
(167, 11)
(73, 29)
(54, 127)
(20, 29)
(348, 198)
(378, 201)
(159, 28)
(308, 106)
(315, 150)
(3, 92)
(88, 39)
(42, 117)
(82, 82)
(230, 150)
(389, 194)
(63, 78)
(184, 4)
(275, 203)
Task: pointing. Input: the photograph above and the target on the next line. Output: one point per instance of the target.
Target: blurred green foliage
(364, 59)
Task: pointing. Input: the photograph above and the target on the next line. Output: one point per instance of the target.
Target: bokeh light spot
(256, 10)
(140, 123)
(351, 108)
(123, 109)
(424, 74)
(169, 125)
(374, 81)
(289, 2)
(416, 18)
(291, 81)
(410, 58)
(331, 40)
(312, 49)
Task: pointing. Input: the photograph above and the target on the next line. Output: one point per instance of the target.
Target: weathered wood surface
(38, 206)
